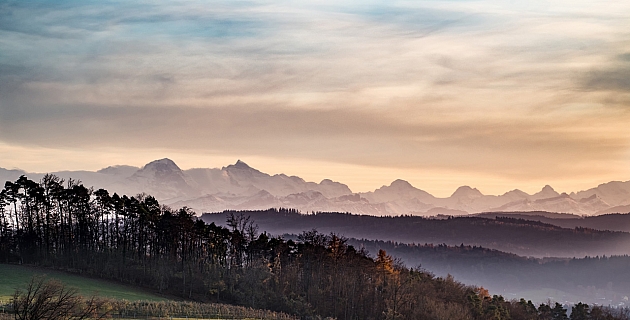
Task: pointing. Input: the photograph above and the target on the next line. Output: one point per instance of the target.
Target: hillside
(612, 222)
(137, 240)
(125, 300)
(522, 237)
(602, 280)
(14, 276)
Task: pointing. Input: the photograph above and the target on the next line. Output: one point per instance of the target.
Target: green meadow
(17, 276)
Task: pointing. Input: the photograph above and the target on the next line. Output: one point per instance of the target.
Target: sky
(497, 95)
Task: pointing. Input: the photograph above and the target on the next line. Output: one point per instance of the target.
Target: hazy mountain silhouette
(239, 186)
(10, 175)
(119, 171)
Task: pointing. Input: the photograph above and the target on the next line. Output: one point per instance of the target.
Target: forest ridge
(138, 241)
(241, 187)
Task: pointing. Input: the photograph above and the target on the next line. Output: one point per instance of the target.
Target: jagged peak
(400, 183)
(239, 165)
(326, 181)
(467, 191)
(547, 191)
(593, 197)
(547, 188)
(241, 168)
(116, 169)
(162, 164)
(397, 185)
(516, 191)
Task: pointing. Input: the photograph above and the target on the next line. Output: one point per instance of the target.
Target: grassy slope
(14, 276)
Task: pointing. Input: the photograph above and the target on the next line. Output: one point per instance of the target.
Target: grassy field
(14, 276)
(141, 303)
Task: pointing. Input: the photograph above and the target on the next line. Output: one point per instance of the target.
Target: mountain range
(241, 187)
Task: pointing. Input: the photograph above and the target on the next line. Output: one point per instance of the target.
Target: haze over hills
(518, 236)
(241, 187)
(611, 222)
(594, 280)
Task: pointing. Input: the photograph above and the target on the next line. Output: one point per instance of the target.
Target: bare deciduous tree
(50, 299)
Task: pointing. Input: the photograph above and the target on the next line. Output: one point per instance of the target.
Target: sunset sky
(493, 94)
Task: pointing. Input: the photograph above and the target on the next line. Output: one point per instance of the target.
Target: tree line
(65, 225)
(522, 237)
(590, 278)
(610, 221)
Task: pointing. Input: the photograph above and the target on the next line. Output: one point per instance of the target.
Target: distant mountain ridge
(241, 187)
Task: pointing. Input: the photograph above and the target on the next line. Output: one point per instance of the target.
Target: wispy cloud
(614, 77)
(503, 90)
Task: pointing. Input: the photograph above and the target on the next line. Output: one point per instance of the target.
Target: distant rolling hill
(612, 222)
(522, 237)
(602, 280)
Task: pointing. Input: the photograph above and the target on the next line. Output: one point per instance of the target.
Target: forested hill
(138, 241)
(522, 237)
(612, 222)
(603, 280)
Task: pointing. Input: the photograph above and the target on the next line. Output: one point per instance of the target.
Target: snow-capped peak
(546, 192)
(401, 184)
(241, 165)
(240, 170)
(119, 170)
(165, 164)
(466, 192)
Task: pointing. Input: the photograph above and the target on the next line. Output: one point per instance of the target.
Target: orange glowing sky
(493, 94)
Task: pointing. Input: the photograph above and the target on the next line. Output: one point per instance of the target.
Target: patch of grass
(16, 276)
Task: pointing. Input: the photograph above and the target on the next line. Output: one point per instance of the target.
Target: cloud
(611, 78)
(519, 148)
(510, 90)
(616, 80)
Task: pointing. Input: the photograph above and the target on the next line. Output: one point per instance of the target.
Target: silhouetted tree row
(136, 240)
(612, 221)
